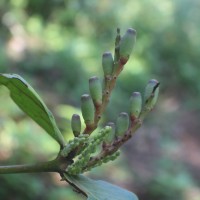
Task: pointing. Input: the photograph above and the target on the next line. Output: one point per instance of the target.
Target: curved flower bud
(151, 93)
(76, 125)
(135, 105)
(95, 90)
(126, 45)
(87, 108)
(122, 124)
(107, 63)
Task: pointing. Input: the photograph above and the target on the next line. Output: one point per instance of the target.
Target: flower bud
(95, 90)
(110, 137)
(135, 105)
(151, 93)
(107, 63)
(87, 109)
(122, 124)
(76, 125)
(126, 45)
(111, 157)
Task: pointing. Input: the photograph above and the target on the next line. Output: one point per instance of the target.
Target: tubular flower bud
(122, 124)
(135, 105)
(109, 138)
(87, 109)
(107, 63)
(126, 45)
(151, 93)
(76, 125)
(95, 90)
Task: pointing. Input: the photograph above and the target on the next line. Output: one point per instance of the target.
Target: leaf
(100, 190)
(30, 102)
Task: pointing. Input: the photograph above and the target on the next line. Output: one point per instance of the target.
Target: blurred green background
(56, 45)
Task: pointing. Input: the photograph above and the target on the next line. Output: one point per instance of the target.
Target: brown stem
(109, 85)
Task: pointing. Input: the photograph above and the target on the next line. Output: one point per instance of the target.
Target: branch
(110, 149)
(49, 166)
(57, 165)
(109, 85)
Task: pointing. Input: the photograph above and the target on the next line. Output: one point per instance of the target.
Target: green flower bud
(151, 93)
(101, 134)
(72, 144)
(126, 45)
(111, 157)
(110, 137)
(107, 63)
(122, 124)
(114, 156)
(87, 109)
(76, 125)
(95, 90)
(135, 105)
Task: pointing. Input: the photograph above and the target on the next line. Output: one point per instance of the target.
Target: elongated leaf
(30, 102)
(100, 190)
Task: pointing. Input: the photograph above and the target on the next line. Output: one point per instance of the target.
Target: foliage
(100, 189)
(58, 40)
(83, 146)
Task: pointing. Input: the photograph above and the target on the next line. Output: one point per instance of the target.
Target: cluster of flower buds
(93, 104)
(90, 103)
(123, 48)
(111, 157)
(113, 135)
(90, 147)
(103, 160)
(73, 144)
(139, 108)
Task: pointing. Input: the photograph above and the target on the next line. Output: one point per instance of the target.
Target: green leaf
(30, 102)
(100, 190)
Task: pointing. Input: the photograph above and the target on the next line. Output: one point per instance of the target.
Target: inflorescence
(84, 148)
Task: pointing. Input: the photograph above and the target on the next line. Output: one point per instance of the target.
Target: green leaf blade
(30, 102)
(100, 190)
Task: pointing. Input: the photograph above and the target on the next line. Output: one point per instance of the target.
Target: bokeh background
(56, 45)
